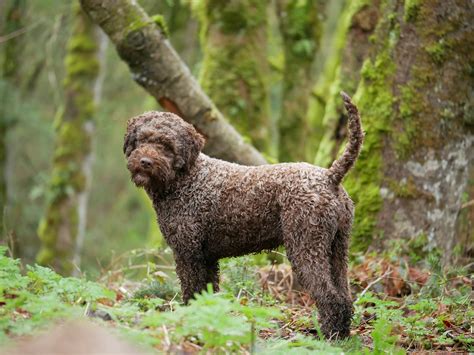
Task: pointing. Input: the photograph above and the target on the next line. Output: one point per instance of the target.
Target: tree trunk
(157, 67)
(10, 76)
(300, 27)
(414, 176)
(235, 68)
(83, 196)
(341, 72)
(59, 228)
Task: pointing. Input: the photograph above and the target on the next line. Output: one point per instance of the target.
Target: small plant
(384, 342)
(156, 289)
(240, 277)
(31, 301)
(216, 321)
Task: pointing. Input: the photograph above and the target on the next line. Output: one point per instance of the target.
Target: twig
(17, 33)
(467, 204)
(278, 253)
(86, 311)
(112, 273)
(170, 303)
(167, 338)
(373, 283)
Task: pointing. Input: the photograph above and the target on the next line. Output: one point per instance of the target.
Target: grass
(399, 306)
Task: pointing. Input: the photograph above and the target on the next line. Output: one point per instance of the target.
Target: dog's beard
(157, 178)
(141, 179)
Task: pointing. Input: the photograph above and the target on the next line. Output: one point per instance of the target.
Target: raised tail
(342, 165)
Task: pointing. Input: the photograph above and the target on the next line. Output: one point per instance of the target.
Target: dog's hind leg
(308, 239)
(339, 261)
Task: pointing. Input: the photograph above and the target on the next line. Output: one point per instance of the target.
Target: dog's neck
(158, 192)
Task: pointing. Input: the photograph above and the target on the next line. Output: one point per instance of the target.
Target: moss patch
(438, 51)
(136, 24)
(233, 34)
(412, 8)
(425, 123)
(326, 110)
(375, 100)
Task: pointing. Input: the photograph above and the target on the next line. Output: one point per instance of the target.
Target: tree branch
(157, 67)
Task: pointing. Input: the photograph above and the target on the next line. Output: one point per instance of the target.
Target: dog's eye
(167, 146)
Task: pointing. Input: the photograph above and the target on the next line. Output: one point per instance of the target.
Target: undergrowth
(398, 308)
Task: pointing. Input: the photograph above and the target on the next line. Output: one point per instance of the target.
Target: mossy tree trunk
(141, 42)
(300, 27)
(235, 69)
(10, 76)
(87, 164)
(341, 71)
(58, 229)
(413, 178)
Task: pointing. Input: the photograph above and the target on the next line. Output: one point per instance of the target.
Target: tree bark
(235, 68)
(351, 47)
(10, 76)
(87, 163)
(414, 175)
(157, 67)
(64, 217)
(300, 27)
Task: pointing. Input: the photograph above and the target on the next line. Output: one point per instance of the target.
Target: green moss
(82, 42)
(375, 100)
(137, 23)
(77, 66)
(45, 256)
(235, 16)
(412, 8)
(438, 51)
(160, 21)
(300, 27)
(240, 93)
(410, 103)
(416, 130)
(72, 146)
(323, 109)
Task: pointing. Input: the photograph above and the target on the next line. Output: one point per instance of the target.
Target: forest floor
(401, 305)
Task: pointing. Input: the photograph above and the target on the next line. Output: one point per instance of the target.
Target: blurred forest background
(274, 69)
(261, 80)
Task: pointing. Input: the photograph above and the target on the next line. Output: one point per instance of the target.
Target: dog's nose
(145, 163)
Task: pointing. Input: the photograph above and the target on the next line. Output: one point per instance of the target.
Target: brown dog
(210, 209)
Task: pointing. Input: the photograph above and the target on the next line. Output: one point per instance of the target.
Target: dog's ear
(129, 142)
(191, 146)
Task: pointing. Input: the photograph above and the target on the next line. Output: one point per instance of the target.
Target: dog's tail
(342, 165)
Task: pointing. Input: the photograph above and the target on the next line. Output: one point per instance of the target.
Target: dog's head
(159, 146)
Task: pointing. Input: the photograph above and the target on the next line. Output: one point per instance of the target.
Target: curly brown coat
(209, 209)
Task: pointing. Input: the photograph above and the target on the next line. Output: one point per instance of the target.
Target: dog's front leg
(192, 273)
